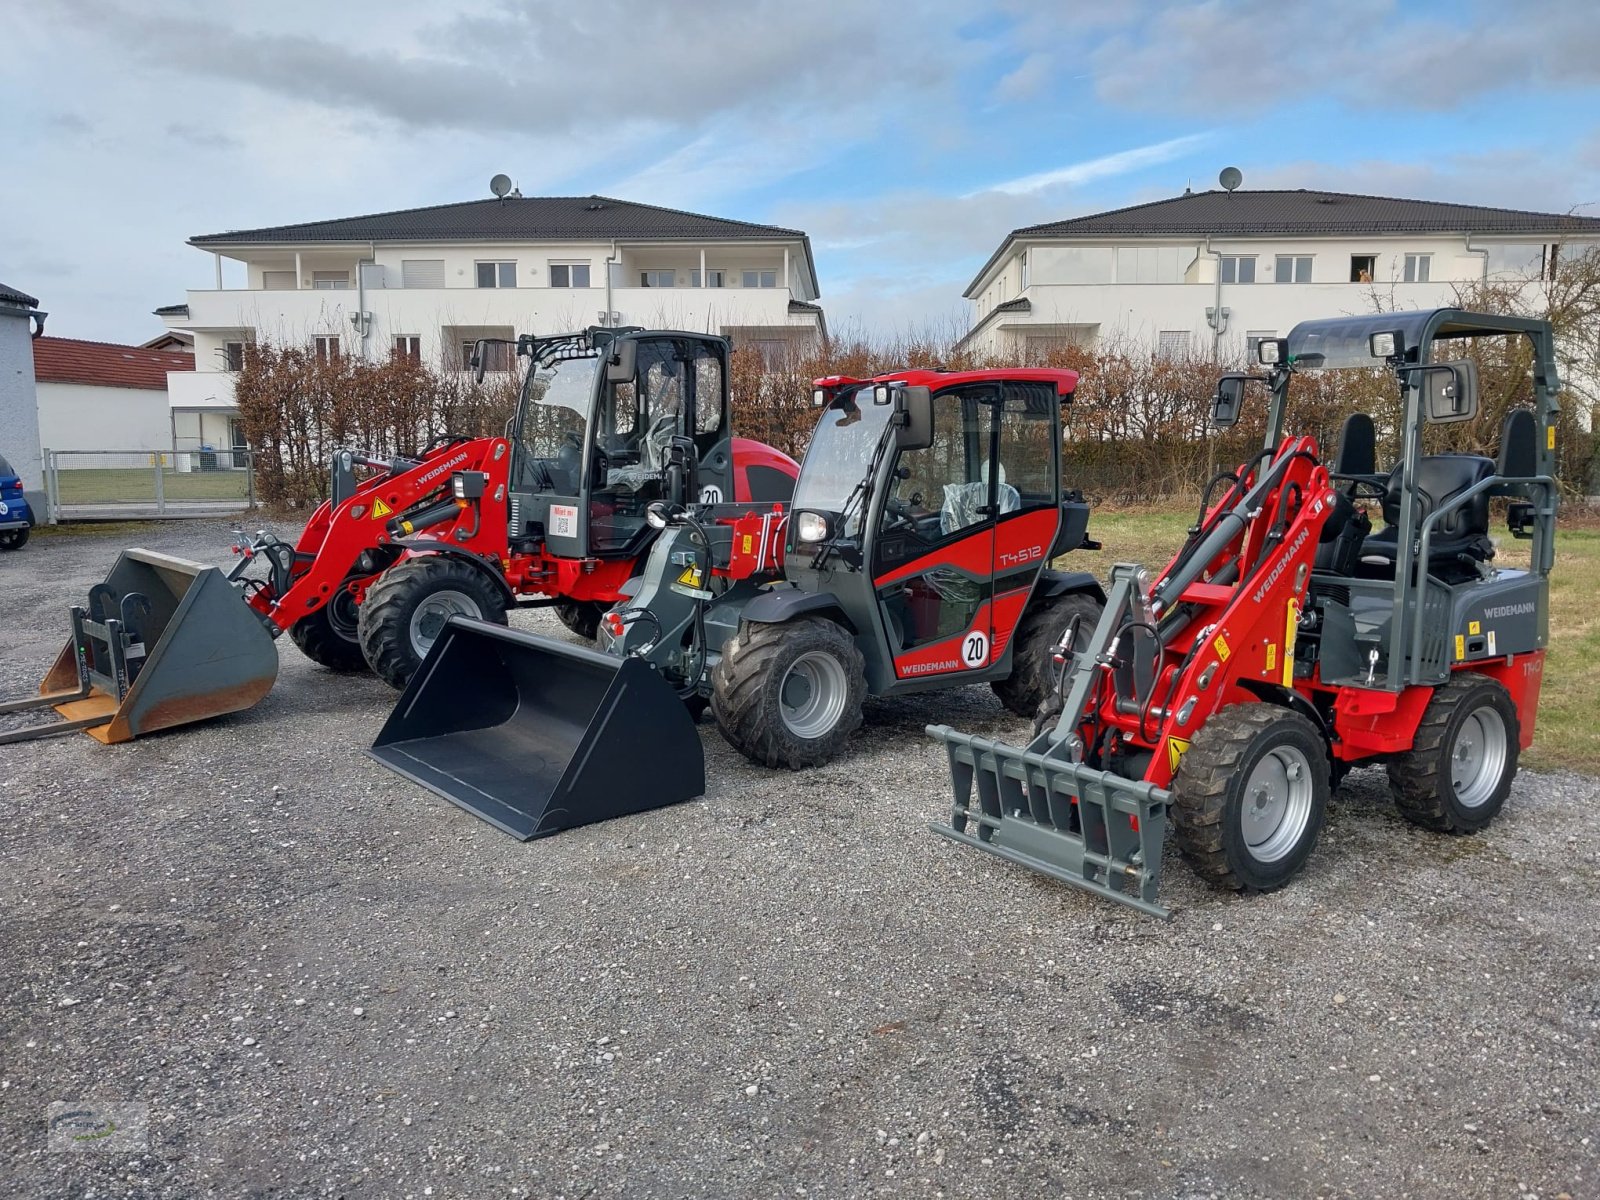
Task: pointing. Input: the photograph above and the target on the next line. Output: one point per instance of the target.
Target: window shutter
(278, 281)
(422, 272)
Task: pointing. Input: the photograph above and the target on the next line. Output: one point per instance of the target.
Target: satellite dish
(500, 185)
(1230, 178)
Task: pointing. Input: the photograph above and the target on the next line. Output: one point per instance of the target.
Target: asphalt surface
(320, 980)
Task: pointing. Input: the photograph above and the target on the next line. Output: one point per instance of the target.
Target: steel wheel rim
(428, 618)
(342, 616)
(1478, 757)
(812, 693)
(1277, 804)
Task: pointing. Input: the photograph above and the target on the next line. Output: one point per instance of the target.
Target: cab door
(933, 550)
(1027, 501)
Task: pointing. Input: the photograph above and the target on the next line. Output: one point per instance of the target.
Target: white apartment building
(1208, 273)
(426, 283)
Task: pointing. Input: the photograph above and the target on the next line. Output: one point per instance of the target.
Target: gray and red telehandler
(1287, 642)
(609, 422)
(915, 556)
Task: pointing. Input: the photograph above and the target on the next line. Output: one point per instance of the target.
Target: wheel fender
(1271, 693)
(420, 546)
(1066, 583)
(785, 604)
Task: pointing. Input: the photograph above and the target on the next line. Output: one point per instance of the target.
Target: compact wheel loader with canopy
(915, 556)
(1286, 642)
(609, 422)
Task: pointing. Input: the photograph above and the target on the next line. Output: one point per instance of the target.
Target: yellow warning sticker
(690, 577)
(1272, 656)
(1474, 628)
(380, 509)
(1176, 748)
(1222, 648)
(749, 544)
(1550, 438)
(1461, 647)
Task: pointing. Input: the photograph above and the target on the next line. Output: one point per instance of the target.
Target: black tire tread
(1200, 787)
(1414, 778)
(14, 539)
(1028, 685)
(386, 611)
(582, 617)
(746, 675)
(321, 643)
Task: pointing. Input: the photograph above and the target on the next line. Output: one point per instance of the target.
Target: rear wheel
(1250, 795)
(580, 616)
(329, 636)
(789, 695)
(406, 609)
(1458, 772)
(13, 539)
(1032, 669)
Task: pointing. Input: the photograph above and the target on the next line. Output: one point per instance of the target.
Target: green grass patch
(113, 484)
(1568, 732)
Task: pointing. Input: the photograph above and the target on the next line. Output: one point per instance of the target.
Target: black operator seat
(1347, 526)
(1460, 539)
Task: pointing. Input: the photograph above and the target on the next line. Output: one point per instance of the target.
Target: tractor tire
(788, 695)
(14, 539)
(580, 616)
(1032, 677)
(330, 639)
(406, 609)
(1458, 772)
(1250, 795)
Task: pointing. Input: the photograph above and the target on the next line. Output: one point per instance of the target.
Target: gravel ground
(323, 981)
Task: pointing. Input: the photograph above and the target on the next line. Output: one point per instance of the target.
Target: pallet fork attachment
(535, 736)
(163, 642)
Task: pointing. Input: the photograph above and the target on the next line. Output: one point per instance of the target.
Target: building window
(1022, 269)
(664, 278)
(278, 281)
(1293, 268)
(1418, 268)
(409, 347)
(496, 356)
(1363, 268)
(1237, 268)
(760, 279)
(1172, 343)
(330, 281)
(1252, 339)
(713, 278)
(422, 272)
(497, 274)
(327, 347)
(771, 352)
(569, 275)
(233, 356)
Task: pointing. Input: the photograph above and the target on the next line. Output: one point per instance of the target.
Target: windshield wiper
(859, 496)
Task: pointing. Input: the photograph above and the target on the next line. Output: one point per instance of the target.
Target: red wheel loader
(915, 556)
(1223, 698)
(609, 422)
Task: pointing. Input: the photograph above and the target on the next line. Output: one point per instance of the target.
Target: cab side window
(938, 489)
(1027, 447)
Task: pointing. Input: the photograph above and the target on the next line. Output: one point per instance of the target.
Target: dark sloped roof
(172, 310)
(10, 295)
(516, 218)
(1277, 213)
(1020, 304)
(1298, 213)
(105, 364)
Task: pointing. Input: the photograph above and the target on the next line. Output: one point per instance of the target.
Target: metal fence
(127, 484)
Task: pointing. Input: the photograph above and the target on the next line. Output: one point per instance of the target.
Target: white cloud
(1107, 166)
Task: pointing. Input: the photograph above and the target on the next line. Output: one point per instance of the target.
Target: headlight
(882, 394)
(819, 397)
(1269, 351)
(810, 527)
(655, 516)
(1385, 345)
(458, 485)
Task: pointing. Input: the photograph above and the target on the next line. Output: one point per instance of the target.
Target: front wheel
(1458, 772)
(406, 609)
(788, 695)
(328, 636)
(580, 616)
(13, 539)
(1032, 675)
(1250, 795)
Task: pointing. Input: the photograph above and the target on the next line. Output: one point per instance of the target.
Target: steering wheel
(1376, 486)
(902, 512)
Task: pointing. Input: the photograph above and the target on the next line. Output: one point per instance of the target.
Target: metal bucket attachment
(536, 736)
(1083, 826)
(163, 641)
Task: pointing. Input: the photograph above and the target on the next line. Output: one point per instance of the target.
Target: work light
(1386, 345)
(810, 527)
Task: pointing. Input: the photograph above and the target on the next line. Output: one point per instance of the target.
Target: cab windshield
(841, 448)
(557, 410)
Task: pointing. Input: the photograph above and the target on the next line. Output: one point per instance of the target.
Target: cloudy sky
(906, 139)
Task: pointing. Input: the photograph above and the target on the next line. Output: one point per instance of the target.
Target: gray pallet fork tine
(535, 736)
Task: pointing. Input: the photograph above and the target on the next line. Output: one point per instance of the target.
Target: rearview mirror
(480, 358)
(1450, 391)
(622, 361)
(914, 414)
(1227, 403)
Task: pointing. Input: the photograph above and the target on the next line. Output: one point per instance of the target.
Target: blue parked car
(16, 518)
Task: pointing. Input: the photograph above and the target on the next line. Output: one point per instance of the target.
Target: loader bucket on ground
(162, 642)
(536, 736)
